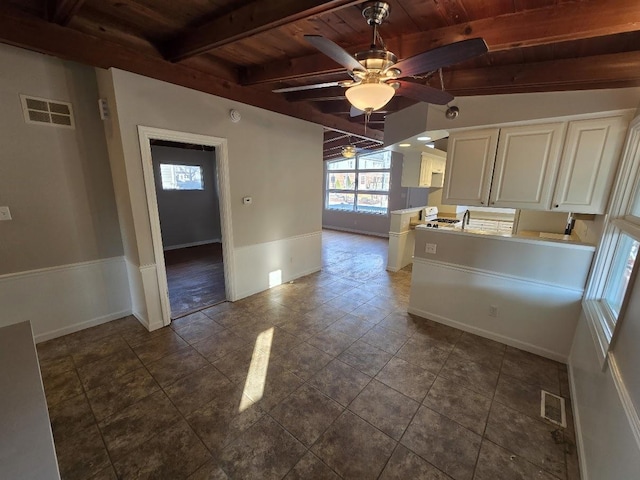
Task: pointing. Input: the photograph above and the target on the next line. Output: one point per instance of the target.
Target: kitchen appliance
(431, 219)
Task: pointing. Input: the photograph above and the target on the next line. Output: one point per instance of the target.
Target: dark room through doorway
(187, 192)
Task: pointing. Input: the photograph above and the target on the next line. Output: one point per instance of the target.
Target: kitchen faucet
(467, 217)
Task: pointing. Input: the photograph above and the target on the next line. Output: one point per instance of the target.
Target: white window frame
(618, 220)
(357, 190)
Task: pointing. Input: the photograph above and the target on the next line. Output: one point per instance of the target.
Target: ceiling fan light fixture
(348, 151)
(370, 96)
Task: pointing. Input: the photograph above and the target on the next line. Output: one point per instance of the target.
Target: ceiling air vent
(47, 112)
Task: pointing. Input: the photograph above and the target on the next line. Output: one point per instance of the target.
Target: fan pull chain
(441, 79)
(379, 37)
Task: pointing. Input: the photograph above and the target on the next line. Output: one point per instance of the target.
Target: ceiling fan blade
(307, 87)
(334, 51)
(442, 57)
(355, 112)
(424, 93)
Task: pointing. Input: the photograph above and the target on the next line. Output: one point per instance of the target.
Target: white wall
(273, 158)
(523, 107)
(536, 286)
(188, 217)
(607, 403)
(608, 448)
(61, 263)
(552, 222)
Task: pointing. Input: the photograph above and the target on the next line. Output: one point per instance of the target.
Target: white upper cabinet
(536, 167)
(423, 169)
(526, 165)
(588, 165)
(470, 159)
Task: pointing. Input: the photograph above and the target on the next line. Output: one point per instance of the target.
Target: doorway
(187, 189)
(187, 194)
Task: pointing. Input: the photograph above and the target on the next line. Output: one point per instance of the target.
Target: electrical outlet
(5, 214)
(430, 248)
(493, 311)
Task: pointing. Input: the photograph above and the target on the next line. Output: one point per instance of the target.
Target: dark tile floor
(195, 276)
(327, 377)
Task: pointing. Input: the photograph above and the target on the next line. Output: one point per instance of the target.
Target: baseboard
(584, 474)
(76, 327)
(353, 230)
(399, 234)
(491, 335)
(248, 293)
(192, 244)
(260, 266)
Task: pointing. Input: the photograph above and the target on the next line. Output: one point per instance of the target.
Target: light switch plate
(247, 200)
(430, 248)
(5, 214)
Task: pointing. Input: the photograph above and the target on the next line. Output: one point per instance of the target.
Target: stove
(432, 220)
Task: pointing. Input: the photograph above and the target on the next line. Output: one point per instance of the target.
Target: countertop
(524, 236)
(26, 443)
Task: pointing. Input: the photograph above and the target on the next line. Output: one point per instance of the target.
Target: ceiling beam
(61, 11)
(331, 136)
(563, 22)
(317, 95)
(33, 33)
(615, 70)
(343, 139)
(248, 20)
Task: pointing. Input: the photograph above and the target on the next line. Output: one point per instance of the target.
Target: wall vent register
(42, 111)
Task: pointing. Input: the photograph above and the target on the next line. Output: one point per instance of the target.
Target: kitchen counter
(27, 451)
(522, 236)
(524, 291)
(401, 237)
(559, 262)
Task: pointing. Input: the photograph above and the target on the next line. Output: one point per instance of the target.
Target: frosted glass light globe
(370, 96)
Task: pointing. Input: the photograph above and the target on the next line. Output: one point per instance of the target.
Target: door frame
(145, 135)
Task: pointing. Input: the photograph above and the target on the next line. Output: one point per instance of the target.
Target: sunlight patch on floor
(257, 375)
(275, 278)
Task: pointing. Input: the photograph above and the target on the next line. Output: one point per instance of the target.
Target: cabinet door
(431, 170)
(411, 169)
(588, 164)
(470, 159)
(425, 171)
(526, 166)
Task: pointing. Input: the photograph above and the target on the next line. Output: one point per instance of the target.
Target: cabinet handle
(493, 203)
(557, 206)
(481, 203)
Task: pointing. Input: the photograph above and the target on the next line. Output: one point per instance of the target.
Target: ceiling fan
(376, 75)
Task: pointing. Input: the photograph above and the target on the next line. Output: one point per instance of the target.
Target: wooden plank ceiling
(244, 49)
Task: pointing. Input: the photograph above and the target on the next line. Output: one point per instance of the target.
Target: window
(617, 259)
(624, 259)
(181, 177)
(359, 184)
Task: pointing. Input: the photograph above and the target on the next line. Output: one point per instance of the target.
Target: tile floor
(327, 377)
(195, 277)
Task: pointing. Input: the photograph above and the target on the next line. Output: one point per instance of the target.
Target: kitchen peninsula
(515, 289)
